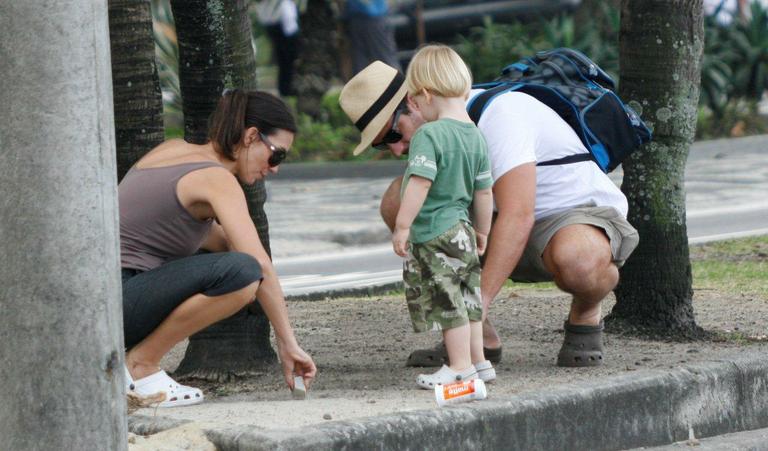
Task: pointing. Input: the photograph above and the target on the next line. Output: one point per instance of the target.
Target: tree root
(656, 332)
(220, 376)
(136, 402)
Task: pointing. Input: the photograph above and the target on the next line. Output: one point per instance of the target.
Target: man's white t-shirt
(519, 129)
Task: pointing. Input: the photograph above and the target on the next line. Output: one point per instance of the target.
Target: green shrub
(331, 137)
(319, 141)
(734, 71)
(489, 48)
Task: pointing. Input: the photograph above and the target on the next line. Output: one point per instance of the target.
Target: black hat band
(379, 104)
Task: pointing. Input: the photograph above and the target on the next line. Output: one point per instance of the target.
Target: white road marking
(728, 236)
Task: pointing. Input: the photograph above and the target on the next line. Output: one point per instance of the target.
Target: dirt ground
(360, 346)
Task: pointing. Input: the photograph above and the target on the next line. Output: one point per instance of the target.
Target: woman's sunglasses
(278, 153)
(392, 136)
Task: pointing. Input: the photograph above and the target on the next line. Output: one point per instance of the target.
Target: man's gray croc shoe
(436, 356)
(582, 346)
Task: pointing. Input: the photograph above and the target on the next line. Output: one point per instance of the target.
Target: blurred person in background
(370, 37)
(280, 19)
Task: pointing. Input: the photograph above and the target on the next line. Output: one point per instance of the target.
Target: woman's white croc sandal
(175, 393)
(128, 380)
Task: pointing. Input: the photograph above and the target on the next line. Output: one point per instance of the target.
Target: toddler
(448, 170)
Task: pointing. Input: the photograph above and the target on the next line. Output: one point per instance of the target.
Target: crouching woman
(180, 198)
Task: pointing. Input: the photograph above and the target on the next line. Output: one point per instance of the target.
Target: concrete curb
(340, 169)
(144, 425)
(647, 408)
(373, 290)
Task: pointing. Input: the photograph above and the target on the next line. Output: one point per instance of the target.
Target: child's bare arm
(413, 198)
(482, 205)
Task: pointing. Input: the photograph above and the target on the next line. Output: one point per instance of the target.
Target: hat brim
(377, 123)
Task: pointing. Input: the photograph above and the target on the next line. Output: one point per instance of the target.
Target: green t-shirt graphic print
(454, 156)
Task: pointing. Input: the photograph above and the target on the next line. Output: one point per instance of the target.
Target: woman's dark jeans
(150, 296)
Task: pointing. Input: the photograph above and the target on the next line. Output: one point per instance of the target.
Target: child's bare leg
(476, 341)
(458, 347)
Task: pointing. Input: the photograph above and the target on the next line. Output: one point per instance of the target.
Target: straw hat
(370, 99)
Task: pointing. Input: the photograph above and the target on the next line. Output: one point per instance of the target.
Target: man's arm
(515, 196)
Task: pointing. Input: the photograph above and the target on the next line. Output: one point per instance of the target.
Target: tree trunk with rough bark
(135, 83)
(61, 341)
(318, 61)
(661, 44)
(216, 52)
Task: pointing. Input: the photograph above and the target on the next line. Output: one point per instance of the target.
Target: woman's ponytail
(225, 127)
(238, 110)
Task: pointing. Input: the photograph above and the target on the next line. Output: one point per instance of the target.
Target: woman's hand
(295, 362)
(400, 241)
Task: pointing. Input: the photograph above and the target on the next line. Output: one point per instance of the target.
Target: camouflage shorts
(442, 280)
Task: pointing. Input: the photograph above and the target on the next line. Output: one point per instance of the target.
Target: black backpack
(579, 92)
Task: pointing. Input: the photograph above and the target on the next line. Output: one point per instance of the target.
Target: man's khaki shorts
(622, 236)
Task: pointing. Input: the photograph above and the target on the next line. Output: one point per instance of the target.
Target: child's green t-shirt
(454, 156)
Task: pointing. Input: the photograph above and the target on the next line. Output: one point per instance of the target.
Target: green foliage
(331, 137)
(734, 68)
(738, 117)
(489, 48)
(167, 58)
(750, 47)
(735, 64)
(319, 141)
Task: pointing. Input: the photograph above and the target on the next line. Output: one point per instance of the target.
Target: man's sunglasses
(278, 153)
(392, 136)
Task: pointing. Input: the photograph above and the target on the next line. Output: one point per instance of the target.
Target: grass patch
(737, 266)
(530, 286)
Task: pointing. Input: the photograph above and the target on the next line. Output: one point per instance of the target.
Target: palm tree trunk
(216, 52)
(135, 83)
(661, 44)
(318, 61)
(61, 345)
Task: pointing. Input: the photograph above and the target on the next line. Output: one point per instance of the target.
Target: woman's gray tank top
(154, 226)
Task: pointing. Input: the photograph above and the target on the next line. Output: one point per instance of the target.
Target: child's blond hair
(440, 70)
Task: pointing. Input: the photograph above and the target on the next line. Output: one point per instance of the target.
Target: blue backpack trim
(575, 88)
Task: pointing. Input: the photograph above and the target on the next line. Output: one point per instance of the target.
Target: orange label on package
(458, 389)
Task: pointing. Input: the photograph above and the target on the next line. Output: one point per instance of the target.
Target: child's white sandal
(445, 375)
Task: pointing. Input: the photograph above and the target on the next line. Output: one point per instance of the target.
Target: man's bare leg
(579, 258)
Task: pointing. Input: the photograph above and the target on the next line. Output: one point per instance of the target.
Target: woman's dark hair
(238, 110)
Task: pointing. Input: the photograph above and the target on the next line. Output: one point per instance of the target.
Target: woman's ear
(250, 136)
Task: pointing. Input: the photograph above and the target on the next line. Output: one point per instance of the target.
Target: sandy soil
(360, 346)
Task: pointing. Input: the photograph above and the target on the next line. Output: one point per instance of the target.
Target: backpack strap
(479, 102)
(577, 158)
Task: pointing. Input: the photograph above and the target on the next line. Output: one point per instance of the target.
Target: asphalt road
(327, 236)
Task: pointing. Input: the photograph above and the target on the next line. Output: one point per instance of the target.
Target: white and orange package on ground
(473, 390)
